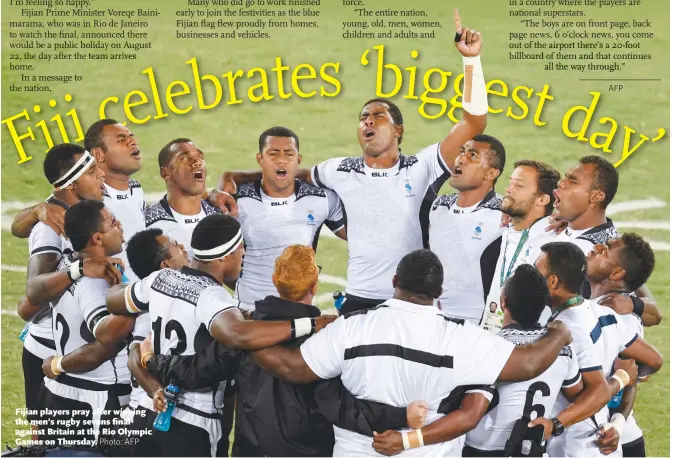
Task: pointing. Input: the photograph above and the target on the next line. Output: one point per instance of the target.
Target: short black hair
(394, 111)
(526, 294)
(82, 220)
(94, 134)
(277, 131)
(213, 231)
(637, 259)
(547, 180)
(606, 177)
(497, 157)
(567, 261)
(145, 253)
(421, 273)
(59, 160)
(166, 155)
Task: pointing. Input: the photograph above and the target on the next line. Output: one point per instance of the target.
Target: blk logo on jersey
(122, 196)
(310, 219)
(278, 204)
(477, 232)
(379, 174)
(192, 220)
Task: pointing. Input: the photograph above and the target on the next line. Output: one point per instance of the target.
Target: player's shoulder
(187, 284)
(158, 211)
(519, 335)
(134, 185)
(209, 208)
(600, 234)
(87, 286)
(429, 152)
(303, 189)
(347, 164)
(250, 190)
(445, 201)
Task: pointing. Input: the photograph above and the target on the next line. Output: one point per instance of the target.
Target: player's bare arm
(111, 330)
(286, 364)
(84, 359)
(37, 265)
(232, 329)
(590, 400)
(624, 305)
(453, 425)
(475, 100)
(230, 181)
(115, 300)
(51, 285)
(50, 214)
(142, 375)
(646, 355)
(530, 360)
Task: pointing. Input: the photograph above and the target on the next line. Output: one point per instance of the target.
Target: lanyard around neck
(504, 277)
(566, 305)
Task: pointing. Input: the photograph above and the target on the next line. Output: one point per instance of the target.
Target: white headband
(85, 162)
(220, 251)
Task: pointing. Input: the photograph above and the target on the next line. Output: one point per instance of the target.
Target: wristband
(312, 326)
(617, 422)
(419, 434)
(622, 378)
(475, 99)
(302, 327)
(405, 441)
(146, 357)
(638, 305)
(76, 270)
(56, 366)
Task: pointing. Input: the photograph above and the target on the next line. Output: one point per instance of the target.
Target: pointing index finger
(456, 20)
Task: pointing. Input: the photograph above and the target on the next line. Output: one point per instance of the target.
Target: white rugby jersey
(589, 345)
(75, 317)
(43, 239)
(467, 242)
(270, 225)
(532, 398)
(182, 304)
(632, 431)
(173, 224)
(128, 207)
(508, 261)
(387, 213)
(141, 329)
(399, 352)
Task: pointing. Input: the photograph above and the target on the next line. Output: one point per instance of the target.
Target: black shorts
(182, 439)
(634, 448)
(354, 304)
(471, 451)
(33, 378)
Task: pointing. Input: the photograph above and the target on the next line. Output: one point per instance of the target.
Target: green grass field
(327, 128)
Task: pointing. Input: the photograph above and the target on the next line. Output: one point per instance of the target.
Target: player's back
(173, 298)
(530, 399)
(399, 352)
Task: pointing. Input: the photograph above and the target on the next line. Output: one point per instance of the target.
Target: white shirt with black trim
(40, 338)
(127, 206)
(399, 352)
(508, 261)
(589, 346)
(531, 399)
(269, 225)
(632, 431)
(182, 305)
(75, 318)
(386, 211)
(467, 242)
(175, 225)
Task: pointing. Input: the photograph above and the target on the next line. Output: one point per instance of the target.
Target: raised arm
(475, 100)
(530, 360)
(50, 214)
(229, 181)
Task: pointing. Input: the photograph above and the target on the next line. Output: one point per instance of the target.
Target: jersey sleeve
(324, 174)
(433, 162)
(588, 356)
(91, 301)
(213, 301)
(475, 344)
(137, 294)
(335, 219)
(43, 239)
(324, 351)
(628, 331)
(572, 376)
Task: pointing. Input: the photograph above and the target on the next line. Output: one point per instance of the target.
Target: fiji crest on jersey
(310, 219)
